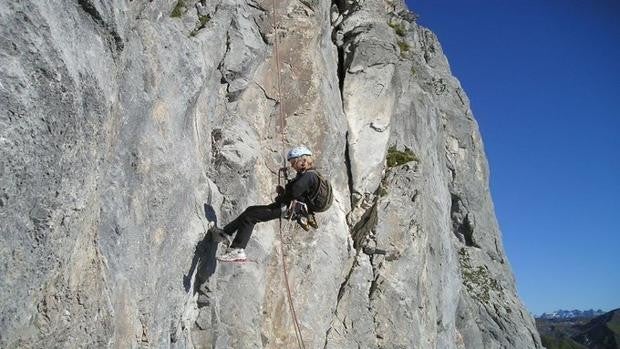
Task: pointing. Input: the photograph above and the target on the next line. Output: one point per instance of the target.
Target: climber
(305, 194)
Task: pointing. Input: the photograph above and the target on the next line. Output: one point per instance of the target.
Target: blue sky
(543, 78)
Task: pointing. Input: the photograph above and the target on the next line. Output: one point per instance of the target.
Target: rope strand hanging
(282, 118)
(282, 124)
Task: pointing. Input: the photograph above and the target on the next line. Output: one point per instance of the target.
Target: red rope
(282, 119)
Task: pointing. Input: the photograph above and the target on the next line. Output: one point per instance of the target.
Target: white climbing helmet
(297, 152)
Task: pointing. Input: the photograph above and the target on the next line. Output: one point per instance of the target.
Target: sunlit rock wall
(126, 126)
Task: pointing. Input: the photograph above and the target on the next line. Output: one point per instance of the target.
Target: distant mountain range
(571, 314)
(591, 329)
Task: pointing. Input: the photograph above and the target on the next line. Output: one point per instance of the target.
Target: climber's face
(297, 164)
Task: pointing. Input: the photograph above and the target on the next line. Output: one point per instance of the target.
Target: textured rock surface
(123, 123)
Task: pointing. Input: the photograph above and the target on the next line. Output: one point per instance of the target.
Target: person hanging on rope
(305, 194)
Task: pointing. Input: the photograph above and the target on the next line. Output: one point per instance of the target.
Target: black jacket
(300, 188)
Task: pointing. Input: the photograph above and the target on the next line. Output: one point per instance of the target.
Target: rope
(296, 326)
(298, 336)
(282, 119)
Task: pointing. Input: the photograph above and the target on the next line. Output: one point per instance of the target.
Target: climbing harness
(296, 209)
(298, 335)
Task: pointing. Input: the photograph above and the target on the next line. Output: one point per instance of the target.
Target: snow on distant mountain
(571, 314)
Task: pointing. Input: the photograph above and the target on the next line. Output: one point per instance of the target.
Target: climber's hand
(280, 190)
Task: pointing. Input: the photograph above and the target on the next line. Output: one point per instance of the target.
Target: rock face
(126, 126)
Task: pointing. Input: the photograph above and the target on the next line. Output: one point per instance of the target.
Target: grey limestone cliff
(126, 126)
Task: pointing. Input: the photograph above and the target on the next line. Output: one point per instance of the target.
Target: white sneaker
(233, 255)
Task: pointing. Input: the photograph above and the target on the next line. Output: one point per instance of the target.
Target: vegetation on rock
(202, 21)
(403, 46)
(399, 28)
(396, 157)
(179, 9)
(477, 280)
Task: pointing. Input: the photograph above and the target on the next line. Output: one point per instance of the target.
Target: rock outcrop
(125, 126)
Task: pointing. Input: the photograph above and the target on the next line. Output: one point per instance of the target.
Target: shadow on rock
(204, 262)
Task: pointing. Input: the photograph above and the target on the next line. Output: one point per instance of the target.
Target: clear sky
(543, 77)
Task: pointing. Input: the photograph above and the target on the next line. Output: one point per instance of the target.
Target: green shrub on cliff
(179, 9)
(399, 28)
(396, 157)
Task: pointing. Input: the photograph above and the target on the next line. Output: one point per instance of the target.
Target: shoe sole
(234, 260)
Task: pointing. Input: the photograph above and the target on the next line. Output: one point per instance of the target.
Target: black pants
(244, 224)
